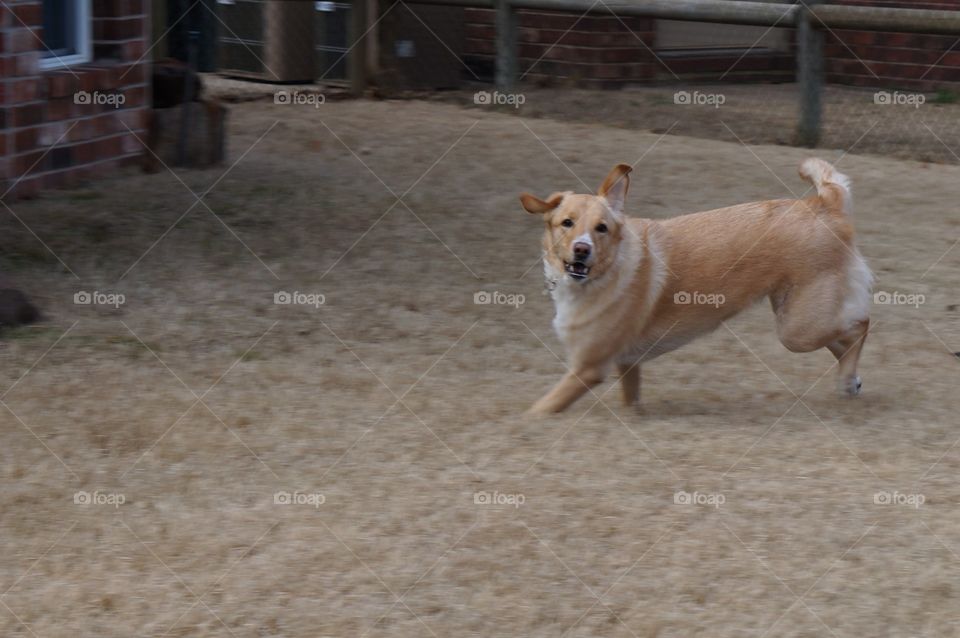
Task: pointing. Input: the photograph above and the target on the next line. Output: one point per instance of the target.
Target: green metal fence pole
(810, 77)
(357, 59)
(506, 24)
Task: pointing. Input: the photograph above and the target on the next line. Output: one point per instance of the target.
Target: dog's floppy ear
(537, 206)
(614, 187)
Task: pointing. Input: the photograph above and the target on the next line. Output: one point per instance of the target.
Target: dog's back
(750, 251)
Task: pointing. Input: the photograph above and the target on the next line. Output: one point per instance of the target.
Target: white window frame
(83, 34)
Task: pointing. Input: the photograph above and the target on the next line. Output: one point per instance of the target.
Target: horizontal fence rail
(766, 13)
(886, 19)
(732, 12)
(810, 18)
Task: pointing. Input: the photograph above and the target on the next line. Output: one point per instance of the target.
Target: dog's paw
(852, 386)
(635, 407)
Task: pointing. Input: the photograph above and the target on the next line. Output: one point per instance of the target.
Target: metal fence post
(357, 58)
(810, 76)
(506, 27)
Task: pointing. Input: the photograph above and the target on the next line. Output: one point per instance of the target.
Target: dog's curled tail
(833, 187)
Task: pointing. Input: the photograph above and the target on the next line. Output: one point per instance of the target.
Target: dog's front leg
(630, 383)
(571, 387)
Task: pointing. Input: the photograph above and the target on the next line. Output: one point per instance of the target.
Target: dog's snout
(581, 250)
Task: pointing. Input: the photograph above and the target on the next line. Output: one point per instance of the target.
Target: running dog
(627, 290)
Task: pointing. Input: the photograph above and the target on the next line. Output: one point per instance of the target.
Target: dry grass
(758, 114)
(297, 402)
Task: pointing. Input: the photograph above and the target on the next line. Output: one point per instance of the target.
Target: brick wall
(730, 66)
(590, 51)
(599, 51)
(894, 60)
(53, 131)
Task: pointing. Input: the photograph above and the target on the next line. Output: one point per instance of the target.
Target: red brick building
(594, 51)
(75, 90)
(896, 60)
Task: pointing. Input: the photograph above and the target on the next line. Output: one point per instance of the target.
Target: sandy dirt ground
(891, 123)
(203, 461)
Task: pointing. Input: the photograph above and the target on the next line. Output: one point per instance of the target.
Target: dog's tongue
(578, 268)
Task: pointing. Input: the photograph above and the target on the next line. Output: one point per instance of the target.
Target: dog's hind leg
(847, 351)
(816, 316)
(855, 318)
(808, 316)
(630, 383)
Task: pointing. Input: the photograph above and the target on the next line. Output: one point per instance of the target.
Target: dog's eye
(567, 223)
(601, 228)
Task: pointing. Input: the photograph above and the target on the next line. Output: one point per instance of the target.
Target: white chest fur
(586, 303)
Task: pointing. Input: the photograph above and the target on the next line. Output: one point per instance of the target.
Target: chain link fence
(884, 92)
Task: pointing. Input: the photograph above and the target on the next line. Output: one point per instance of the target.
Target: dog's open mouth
(577, 270)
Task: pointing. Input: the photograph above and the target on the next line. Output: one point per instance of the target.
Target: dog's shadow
(854, 410)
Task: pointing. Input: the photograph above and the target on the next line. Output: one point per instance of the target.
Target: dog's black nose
(581, 250)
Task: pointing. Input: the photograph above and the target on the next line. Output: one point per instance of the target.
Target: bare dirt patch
(399, 400)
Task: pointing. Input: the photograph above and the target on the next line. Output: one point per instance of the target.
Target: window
(66, 33)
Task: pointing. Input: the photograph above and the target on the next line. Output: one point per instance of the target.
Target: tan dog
(627, 290)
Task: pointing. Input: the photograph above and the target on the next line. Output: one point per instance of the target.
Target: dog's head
(584, 232)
